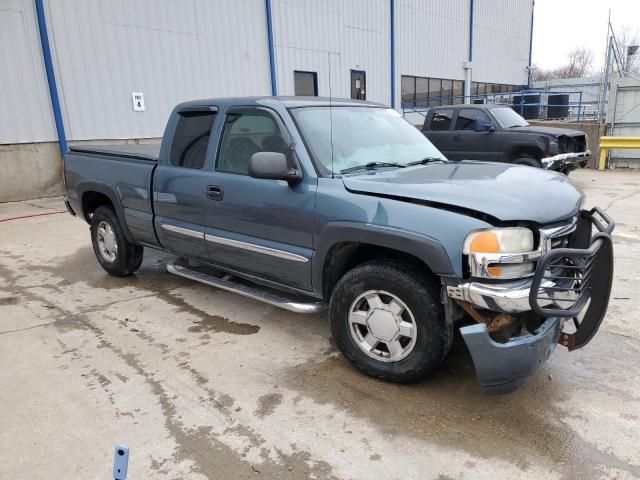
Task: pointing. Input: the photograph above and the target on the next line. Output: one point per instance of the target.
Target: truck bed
(145, 152)
(123, 173)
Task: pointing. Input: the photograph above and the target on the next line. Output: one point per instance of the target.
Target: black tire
(421, 296)
(527, 160)
(128, 257)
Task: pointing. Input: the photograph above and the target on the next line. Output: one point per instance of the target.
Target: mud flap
(504, 367)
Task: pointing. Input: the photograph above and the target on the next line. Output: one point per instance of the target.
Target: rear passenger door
(259, 227)
(180, 180)
(467, 144)
(439, 123)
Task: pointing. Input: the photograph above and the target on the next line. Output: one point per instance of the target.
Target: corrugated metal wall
(501, 41)
(623, 119)
(174, 50)
(432, 38)
(170, 50)
(25, 109)
(335, 35)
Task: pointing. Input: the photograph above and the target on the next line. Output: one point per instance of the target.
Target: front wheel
(387, 319)
(528, 161)
(116, 256)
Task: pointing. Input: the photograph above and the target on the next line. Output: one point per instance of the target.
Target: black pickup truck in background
(497, 133)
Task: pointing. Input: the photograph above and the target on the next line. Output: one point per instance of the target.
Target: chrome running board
(228, 283)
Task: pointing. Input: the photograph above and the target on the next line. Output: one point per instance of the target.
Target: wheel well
(519, 152)
(344, 256)
(91, 201)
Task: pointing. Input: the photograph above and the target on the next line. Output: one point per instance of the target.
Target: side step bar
(227, 283)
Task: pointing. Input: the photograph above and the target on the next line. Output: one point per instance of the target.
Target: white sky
(560, 25)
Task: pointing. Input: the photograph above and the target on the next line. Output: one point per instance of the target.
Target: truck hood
(556, 132)
(501, 191)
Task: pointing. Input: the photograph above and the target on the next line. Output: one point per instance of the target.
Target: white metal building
(103, 51)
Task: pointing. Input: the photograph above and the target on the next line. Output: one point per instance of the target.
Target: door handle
(456, 138)
(214, 192)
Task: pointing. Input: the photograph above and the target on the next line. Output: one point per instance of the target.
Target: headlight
(486, 247)
(499, 240)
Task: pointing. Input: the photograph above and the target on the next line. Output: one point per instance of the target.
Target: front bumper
(569, 283)
(509, 297)
(504, 367)
(565, 160)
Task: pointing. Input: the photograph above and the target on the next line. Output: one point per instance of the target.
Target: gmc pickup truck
(496, 133)
(305, 203)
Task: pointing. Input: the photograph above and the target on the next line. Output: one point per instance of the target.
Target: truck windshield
(368, 137)
(507, 118)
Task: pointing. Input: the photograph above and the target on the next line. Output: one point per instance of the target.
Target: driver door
(259, 227)
(467, 144)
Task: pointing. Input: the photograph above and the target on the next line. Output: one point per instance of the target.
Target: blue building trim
(392, 6)
(272, 57)
(471, 30)
(533, 5)
(51, 76)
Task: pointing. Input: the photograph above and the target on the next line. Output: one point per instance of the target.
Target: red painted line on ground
(32, 215)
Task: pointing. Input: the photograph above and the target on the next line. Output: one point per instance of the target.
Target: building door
(305, 84)
(358, 85)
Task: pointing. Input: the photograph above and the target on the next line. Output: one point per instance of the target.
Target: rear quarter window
(441, 119)
(191, 138)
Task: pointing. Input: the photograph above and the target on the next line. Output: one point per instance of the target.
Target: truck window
(247, 132)
(441, 119)
(190, 140)
(467, 117)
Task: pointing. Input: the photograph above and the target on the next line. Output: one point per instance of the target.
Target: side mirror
(272, 166)
(481, 126)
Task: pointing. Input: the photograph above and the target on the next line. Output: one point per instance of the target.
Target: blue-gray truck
(309, 203)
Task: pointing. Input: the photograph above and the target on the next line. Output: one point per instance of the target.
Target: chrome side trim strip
(255, 248)
(254, 292)
(183, 231)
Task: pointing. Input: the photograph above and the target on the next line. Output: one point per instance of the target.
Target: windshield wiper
(371, 166)
(426, 160)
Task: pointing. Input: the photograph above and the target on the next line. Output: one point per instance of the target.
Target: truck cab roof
(287, 102)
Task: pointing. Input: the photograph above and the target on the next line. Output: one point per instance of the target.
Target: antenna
(330, 115)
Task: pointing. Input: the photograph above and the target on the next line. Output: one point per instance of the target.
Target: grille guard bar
(587, 273)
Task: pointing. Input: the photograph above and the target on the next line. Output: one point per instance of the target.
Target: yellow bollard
(603, 158)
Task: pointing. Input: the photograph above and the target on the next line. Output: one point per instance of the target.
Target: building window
(458, 92)
(191, 138)
(409, 90)
(431, 92)
(481, 90)
(305, 84)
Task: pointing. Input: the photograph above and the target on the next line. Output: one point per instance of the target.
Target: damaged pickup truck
(496, 133)
(305, 203)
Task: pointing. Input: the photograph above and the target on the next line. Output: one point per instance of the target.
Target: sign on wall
(138, 101)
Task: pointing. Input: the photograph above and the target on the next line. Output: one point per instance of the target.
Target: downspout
(51, 77)
(468, 65)
(392, 12)
(533, 5)
(272, 58)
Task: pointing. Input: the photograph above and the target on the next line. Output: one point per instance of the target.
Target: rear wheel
(387, 319)
(116, 256)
